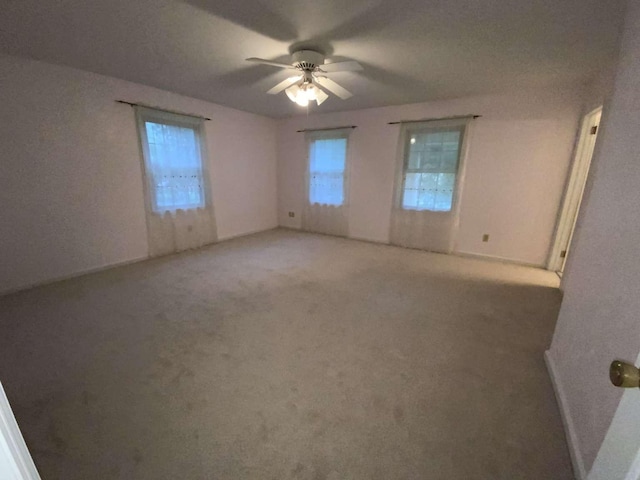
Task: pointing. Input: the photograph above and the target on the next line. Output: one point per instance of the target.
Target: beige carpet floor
(288, 355)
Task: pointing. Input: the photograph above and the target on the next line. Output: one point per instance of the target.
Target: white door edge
(15, 461)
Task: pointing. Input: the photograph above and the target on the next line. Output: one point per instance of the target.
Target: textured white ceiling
(412, 50)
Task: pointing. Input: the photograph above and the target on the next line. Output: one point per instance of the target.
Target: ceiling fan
(305, 86)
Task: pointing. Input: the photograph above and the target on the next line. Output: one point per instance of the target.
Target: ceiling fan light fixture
(297, 95)
(292, 92)
(304, 93)
(310, 91)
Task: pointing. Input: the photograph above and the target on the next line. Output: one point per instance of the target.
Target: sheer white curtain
(179, 211)
(428, 185)
(325, 209)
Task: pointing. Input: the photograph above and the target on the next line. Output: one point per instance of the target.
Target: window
(327, 165)
(431, 158)
(173, 160)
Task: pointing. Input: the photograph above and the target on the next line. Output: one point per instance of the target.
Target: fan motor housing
(307, 59)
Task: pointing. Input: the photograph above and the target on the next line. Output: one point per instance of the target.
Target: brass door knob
(624, 375)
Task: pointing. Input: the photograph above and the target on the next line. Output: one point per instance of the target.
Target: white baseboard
(497, 258)
(76, 274)
(478, 256)
(569, 429)
(289, 227)
(244, 234)
(348, 237)
(15, 459)
(238, 235)
(109, 266)
(368, 240)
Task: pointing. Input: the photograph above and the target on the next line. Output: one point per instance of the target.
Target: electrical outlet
(485, 237)
(292, 214)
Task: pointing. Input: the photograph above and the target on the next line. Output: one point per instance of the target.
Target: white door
(619, 455)
(575, 190)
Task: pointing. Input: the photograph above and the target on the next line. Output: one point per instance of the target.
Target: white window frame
(409, 128)
(145, 114)
(331, 134)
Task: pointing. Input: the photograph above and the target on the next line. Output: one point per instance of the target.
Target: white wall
(599, 318)
(70, 171)
(519, 156)
(598, 92)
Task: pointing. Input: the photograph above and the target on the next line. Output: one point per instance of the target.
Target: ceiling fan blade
(321, 96)
(334, 88)
(269, 62)
(284, 84)
(350, 66)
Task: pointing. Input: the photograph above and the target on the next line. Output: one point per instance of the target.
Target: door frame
(574, 191)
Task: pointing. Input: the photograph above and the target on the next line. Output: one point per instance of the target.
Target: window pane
(414, 159)
(327, 162)
(431, 168)
(450, 140)
(433, 139)
(428, 187)
(449, 162)
(411, 189)
(442, 202)
(174, 166)
(446, 181)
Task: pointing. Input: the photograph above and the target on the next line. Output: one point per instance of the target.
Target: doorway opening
(574, 192)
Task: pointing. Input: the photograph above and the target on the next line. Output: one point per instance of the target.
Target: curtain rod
(458, 117)
(325, 129)
(163, 109)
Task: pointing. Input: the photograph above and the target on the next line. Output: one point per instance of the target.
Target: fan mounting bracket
(307, 60)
